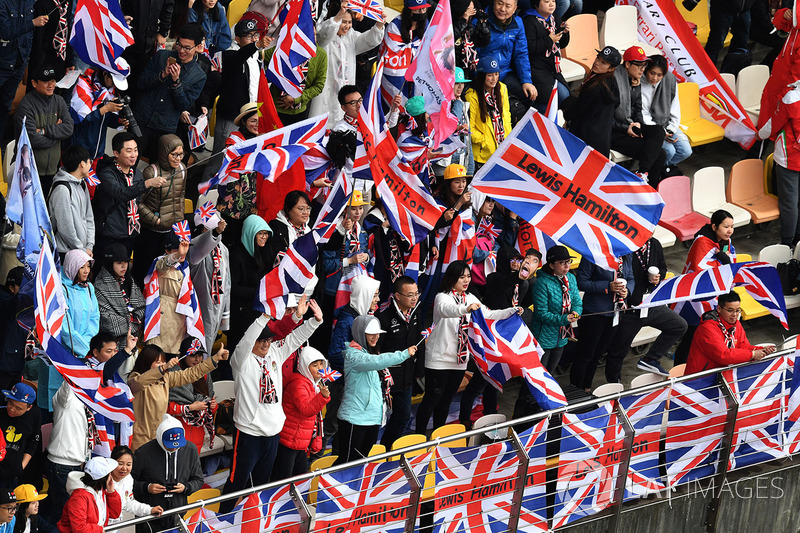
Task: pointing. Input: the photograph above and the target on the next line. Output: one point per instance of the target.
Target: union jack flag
(447, 148)
(49, 302)
(487, 228)
(762, 395)
(345, 287)
(295, 46)
(152, 300)
(371, 497)
(646, 413)
(505, 348)
(330, 375)
(198, 132)
(269, 154)
(551, 111)
(695, 426)
(396, 56)
(108, 437)
(206, 211)
(591, 449)
(181, 229)
(186, 305)
(410, 208)
(571, 192)
(534, 498)
(414, 151)
(293, 273)
(456, 242)
(427, 331)
(202, 521)
(412, 263)
(792, 425)
(368, 8)
(100, 34)
(530, 237)
(338, 198)
(88, 95)
(92, 178)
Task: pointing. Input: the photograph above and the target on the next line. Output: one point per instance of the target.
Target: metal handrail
(531, 419)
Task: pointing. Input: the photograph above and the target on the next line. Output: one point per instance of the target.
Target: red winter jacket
(80, 514)
(784, 127)
(300, 405)
(709, 350)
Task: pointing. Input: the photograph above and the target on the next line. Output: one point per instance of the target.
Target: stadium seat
(678, 216)
(408, 440)
(769, 184)
(223, 389)
(318, 464)
(646, 335)
(743, 258)
(621, 30)
(607, 389)
(618, 157)
(677, 371)
(730, 79)
(775, 253)
(220, 444)
(583, 40)
(749, 86)
(212, 119)
(572, 70)
(448, 430)
(699, 16)
(235, 10)
(750, 307)
(664, 236)
(202, 494)
(646, 379)
(376, 449)
(699, 130)
(708, 195)
(486, 421)
(746, 189)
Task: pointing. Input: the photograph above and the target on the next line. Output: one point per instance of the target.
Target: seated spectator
(210, 269)
(295, 109)
(47, 121)
(69, 204)
(305, 396)
(21, 426)
(469, 35)
(116, 199)
(489, 111)
(720, 339)
(258, 412)
(509, 47)
(630, 135)
(160, 207)
(95, 107)
(8, 509)
(120, 300)
(12, 357)
(169, 85)
(123, 484)
(367, 390)
(212, 17)
(150, 382)
(27, 516)
(166, 470)
(193, 404)
(661, 106)
(547, 34)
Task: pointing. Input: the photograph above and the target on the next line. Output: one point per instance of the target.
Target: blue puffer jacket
(547, 315)
(162, 101)
(218, 32)
(510, 47)
(16, 32)
(594, 282)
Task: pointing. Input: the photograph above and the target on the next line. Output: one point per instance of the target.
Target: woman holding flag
(489, 110)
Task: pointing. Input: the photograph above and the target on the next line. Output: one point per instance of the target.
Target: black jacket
(236, 80)
(12, 358)
(640, 262)
(382, 250)
(543, 67)
(500, 285)
(23, 435)
(399, 336)
(591, 116)
(111, 200)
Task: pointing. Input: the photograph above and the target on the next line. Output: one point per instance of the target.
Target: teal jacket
(362, 403)
(547, 317)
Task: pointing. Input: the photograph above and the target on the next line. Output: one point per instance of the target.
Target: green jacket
(315, 82)
(547, 314)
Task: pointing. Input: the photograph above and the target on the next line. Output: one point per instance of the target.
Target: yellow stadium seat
(408, 440)
(397, 5)
(750, 308)
(699, 130)
(212, 120)
(768, 182)
(318, 464)
(188, 206)
(202, 494)
(448, 430)
(376, 449)
(699, 16)
(236, 9)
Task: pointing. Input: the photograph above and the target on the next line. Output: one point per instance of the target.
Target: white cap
(373, 328)
(99, 467)
(120, 80)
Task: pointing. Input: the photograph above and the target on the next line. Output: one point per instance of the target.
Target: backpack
(736, 59)
(789, 274)
(223, 418)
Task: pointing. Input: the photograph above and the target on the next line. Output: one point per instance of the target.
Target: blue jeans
(678, 151)
(9, 81)
(789, 203)
(721, 21)
(562, 6)
(57, 494)
(398, 421)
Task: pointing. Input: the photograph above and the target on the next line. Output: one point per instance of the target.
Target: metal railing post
(622, 472)
(712, 514)
(302, 508)
(519, 484)
(414, 497)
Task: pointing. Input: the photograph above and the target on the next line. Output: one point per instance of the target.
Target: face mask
(419, 17)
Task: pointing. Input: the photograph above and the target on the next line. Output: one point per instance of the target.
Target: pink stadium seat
(678, 216)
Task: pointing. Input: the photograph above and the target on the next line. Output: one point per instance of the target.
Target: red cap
(635, 53)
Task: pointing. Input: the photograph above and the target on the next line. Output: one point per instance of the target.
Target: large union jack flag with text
(534, 513)
(570, 191)
(646, 414)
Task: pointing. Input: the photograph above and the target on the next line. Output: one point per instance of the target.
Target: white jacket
(125, 490)
(441, 351)
(249, 414)
(68, 442)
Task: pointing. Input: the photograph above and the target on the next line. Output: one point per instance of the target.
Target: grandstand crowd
(119, 166)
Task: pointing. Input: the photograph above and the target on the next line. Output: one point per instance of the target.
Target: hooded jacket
(364, 288)
(71, 212)
(785, 69)
(114, 315)
(245, 272)
(362, 402)
(216, 315)
(500, 285)
(83, 313)
(44, 113)
(302, 401)
(111, 200)
(484, 142)
(81, 513)
(68, 442)
(548, 316)
(709, 349)
(784, 127)
(165, 202)
(152, 463)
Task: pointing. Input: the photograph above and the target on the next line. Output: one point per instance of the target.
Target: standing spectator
(290, 109)
(116, 198)
(12, 357)
(160, 207)
(401, 41)
(289, 225)
(387, 247)
(605, 294)
(342, 44)
(8, 508)
(21, 426)
(120, 300)
(169, 85)
(69, 204)
(93, 98)
(305, 396)
(123, 484)
(48, 122)
(258, 387)
(547, 34)
(403, 328)
(630, 135)
(166, 470)
(489, 112)
(150, 23)
(724, 17)
(150, 382)
(16, 41)
(212, 17)
(82, 319)
(193, 404)
(509, 47)
(367, 395)
(91, 506)
(28, 499)
(210, 269)
(590, 117)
